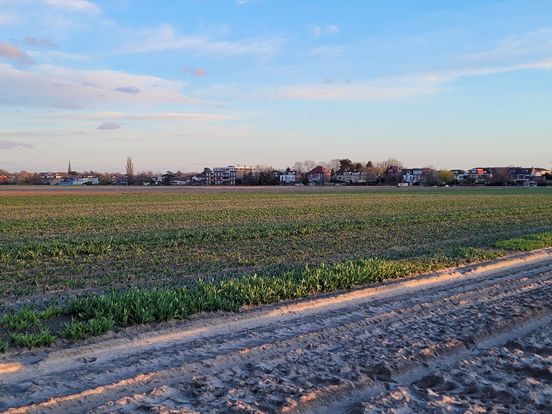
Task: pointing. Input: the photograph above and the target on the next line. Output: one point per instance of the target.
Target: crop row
(106, 214)
(173, 238)
(96, 314)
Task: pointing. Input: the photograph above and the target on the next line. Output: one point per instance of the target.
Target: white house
(288, 177)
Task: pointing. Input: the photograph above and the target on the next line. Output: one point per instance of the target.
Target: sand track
(343, 352)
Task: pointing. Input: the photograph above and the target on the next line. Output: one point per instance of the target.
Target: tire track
(288, 357)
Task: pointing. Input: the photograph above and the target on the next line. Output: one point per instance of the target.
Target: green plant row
(189, 237)
(526, 243)
(11, 252)
(95, 314)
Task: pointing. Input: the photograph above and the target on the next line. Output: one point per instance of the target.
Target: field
(170, 254)
(63, 241)
(275, 299)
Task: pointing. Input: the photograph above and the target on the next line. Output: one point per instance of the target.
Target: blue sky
(184, 84)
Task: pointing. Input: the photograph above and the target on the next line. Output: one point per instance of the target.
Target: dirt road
(466, 340)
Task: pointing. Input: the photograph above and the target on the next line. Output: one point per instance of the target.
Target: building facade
(318, 176)
(288, 177)
(220, 176)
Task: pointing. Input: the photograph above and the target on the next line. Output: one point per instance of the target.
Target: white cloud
(51, 56)
(524, 45)
(57, 86)
(144, 116)
(316, 31)
(8, 145)
(392, 88)
(165, 38)
(243, 2)
(74, 5)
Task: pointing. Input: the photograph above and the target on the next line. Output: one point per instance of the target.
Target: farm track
(291, 357)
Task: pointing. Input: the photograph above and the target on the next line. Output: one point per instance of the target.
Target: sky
(179, 85)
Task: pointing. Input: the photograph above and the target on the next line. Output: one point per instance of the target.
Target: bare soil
(474, 339)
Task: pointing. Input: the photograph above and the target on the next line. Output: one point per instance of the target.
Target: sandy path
(352, 351)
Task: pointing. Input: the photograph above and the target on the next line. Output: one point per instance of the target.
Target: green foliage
(444, 177)
(32, 340)
(526, 243)
(256, 244)
(27, 318)
(70, 241)
(95, 314)
(137, 306)
(21, 320)
(3, 346)
(92, 327)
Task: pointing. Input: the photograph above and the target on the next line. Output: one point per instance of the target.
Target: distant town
(336, 172)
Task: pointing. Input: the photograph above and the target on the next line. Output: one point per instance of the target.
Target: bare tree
(382, 166)
(334, 165)
(129, 169)
(304, 166)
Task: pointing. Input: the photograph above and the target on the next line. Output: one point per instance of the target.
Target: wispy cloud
(58, 86)
(109, 125)
(244, 2)
(35, 41)
(13, 53)
(316, 31)
(145, 116)
(74, 5)
(53, 56)
(393, 88)
(528, 45)
(8, 145)
(8, 19)
(164, 37)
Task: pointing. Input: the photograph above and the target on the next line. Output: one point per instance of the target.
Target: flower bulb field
(92, 268)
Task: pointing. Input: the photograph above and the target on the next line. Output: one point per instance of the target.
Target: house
(80, 180)
(527, 177)
(247, 175)
(350, 177)
(288, 177)
(72, 181)
(419, 176)
(48, 178)
(480, 175)
(413, 176)
(318, 176)
(220, 176)
(460, 176)
(3, 179)
(119, 180)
